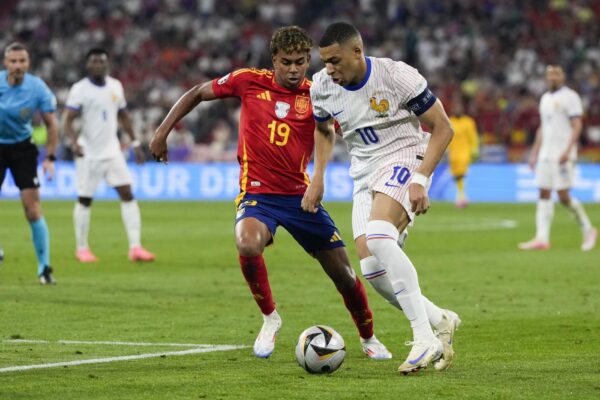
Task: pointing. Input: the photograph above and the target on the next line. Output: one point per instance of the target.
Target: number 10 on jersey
(368, 135)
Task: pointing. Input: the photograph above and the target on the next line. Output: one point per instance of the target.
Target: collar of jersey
(94, 83)
(365, 79)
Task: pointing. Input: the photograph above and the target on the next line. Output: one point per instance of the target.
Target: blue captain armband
(422, 102)
(321, 119)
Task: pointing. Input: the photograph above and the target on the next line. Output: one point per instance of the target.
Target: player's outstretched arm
(441, 135)
(324, 141)
(52, 128)
(183, 106)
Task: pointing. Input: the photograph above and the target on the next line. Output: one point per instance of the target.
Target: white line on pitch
(17, 341)
(121, 358)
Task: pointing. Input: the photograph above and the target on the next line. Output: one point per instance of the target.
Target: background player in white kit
(379, 104)
(553, 156)
(100, 101)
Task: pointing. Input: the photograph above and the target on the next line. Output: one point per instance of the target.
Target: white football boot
(374, 349)
(265, 341)
(445, 332)
(589, 239)
(421, 355)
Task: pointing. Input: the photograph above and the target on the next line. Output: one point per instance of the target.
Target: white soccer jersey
(375, 116)
(556, 110)
(99, 106)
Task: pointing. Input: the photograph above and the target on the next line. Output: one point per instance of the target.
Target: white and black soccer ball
(320, 349)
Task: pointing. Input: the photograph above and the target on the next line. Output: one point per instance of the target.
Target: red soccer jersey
(276, 136)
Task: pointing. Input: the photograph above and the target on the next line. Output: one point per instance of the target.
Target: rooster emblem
(382, 107)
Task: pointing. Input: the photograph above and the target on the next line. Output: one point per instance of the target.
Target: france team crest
(382, 107)
(282, 109)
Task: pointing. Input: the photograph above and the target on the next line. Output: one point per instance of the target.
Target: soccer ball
(320, 350)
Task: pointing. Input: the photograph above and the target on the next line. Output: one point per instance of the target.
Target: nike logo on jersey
(337, 113)
(392, 185)
(266, 95)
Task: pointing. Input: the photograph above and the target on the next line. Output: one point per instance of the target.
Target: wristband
(135, 143)
(419, 179)
(51, 157)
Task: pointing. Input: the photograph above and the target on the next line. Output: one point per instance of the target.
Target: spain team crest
(302, 104)
(282, 109)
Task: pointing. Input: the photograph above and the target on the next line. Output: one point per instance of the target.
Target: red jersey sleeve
(234, 84)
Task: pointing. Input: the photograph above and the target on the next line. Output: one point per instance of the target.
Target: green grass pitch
(530, 320)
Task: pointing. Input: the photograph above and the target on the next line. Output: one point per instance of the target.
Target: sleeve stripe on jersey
(575, 116)
(422, 102)
(74, 108)
(252, 70)
(321, 119)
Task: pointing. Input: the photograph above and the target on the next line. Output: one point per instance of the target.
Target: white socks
(130, 212)
(81, 221)
(543, 219)
(382, 239)
(580, 216)
(377, 276)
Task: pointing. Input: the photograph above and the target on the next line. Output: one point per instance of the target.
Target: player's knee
(565, 199)
(381, 235)
(85, 201)
(249, 248)
(33, 213)
(127, 196)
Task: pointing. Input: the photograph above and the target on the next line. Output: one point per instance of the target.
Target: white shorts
(392, 180)
(90, 172)
(553, 176)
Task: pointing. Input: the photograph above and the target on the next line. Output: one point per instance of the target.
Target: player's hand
(532, 161)
(139, 155)
(474, 155)
(48, 169)
(76, 150)
(313, 196)
(418, 198)
(564, 157)
(158, 148)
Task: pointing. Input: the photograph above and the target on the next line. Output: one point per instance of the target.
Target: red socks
(356, 302)
(255, 272)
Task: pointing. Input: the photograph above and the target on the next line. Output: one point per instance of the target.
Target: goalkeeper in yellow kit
(463, 149)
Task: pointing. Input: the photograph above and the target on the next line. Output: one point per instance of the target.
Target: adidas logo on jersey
(266, 95)
(335, 237)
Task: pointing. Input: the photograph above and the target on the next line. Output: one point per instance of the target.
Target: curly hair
(290, 39)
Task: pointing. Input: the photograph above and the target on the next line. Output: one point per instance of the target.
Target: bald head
(555, 77)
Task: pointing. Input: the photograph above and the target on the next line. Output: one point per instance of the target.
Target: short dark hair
(15, 46)
(338, 32)
(96, 51)
(290, 39)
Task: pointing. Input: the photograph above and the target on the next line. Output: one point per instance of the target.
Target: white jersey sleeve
(318, 103)
(74, 99)
(409, 83)
(573, 104)
(121, 102)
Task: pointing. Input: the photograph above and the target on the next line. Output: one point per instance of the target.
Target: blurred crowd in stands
(491, 53)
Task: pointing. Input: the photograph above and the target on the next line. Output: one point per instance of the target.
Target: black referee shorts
(21, 159)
